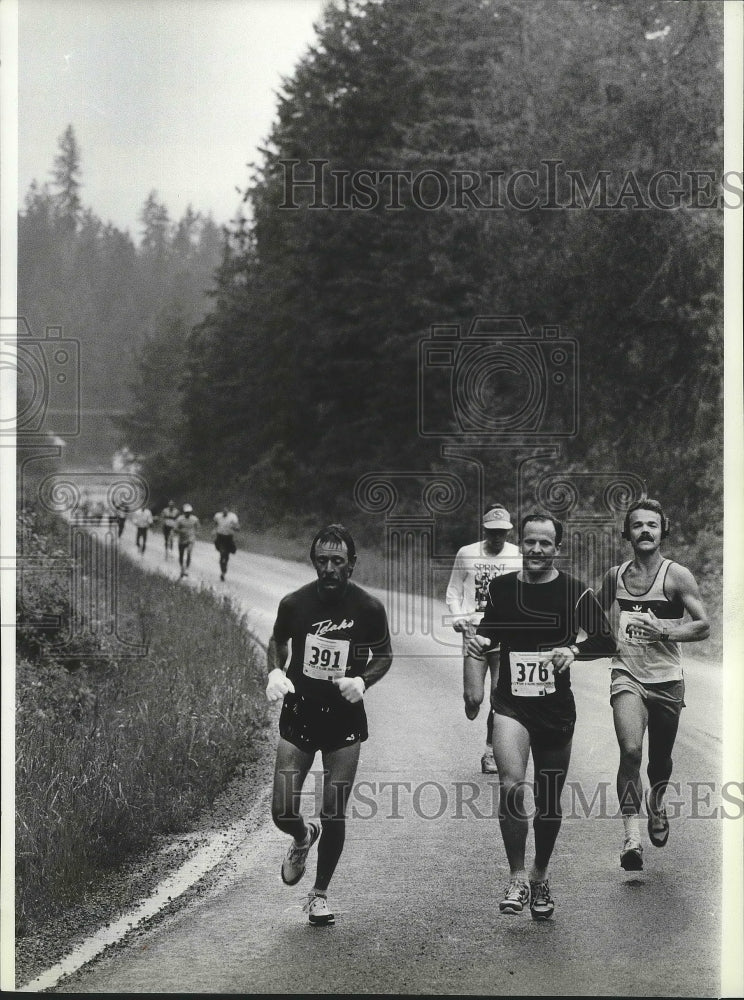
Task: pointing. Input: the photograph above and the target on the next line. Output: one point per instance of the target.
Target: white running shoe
(517, 894)
(317, 910)
(295, 860)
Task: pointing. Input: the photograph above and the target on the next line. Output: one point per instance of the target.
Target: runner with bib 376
(535, 615)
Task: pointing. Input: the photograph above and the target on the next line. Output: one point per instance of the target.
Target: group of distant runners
(182, 525)
(520, 617)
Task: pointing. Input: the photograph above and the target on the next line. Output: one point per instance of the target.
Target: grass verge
(113, 750)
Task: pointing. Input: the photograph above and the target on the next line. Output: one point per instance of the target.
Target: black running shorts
(225, 545)
(551, 726)
(312, 726)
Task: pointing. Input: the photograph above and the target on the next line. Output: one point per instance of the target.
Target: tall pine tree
(313, 342)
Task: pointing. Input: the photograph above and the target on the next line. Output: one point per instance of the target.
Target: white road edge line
(219, 845)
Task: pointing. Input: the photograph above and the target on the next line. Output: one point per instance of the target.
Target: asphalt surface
(416, 892)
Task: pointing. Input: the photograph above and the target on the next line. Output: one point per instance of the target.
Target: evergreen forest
(556, 164)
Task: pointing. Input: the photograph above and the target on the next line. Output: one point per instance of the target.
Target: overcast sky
(171, 95)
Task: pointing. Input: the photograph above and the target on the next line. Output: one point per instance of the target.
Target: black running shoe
(541, 902)
(658, 824)
(631, 858)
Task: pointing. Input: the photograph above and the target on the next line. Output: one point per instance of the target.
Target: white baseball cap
(187, 508)
(497, 517)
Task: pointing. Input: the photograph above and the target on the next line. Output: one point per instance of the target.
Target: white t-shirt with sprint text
(472, 572)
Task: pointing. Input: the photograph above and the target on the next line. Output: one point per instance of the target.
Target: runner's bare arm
(276, 654)
(487, 635)
(684, 584)
(606, 594)
(278, 683)
(477, 646)
(680, 584)
(353, 688)
(455, 593)
(376, 668)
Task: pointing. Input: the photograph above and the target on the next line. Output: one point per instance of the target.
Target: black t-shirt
(333, 638)
(536, 617)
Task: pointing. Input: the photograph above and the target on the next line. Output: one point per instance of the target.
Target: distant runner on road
(226, 523)
(467, 595)
(119, 517)
(142, 520)
(535, 615)
(654, 596)
(168, 516)
(185, 528)
(340, 646)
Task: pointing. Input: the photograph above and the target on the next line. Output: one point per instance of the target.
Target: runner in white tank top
(659, 607)
(648, 662)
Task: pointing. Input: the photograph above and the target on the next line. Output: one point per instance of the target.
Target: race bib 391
(325, 659)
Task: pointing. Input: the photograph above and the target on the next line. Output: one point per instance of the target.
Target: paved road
(417, 889)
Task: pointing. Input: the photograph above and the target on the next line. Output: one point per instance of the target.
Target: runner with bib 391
(330, 644)
(535, 616)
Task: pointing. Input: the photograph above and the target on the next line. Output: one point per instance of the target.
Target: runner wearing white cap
(467, 595)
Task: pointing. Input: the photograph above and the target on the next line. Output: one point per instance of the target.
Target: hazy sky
(171, 95)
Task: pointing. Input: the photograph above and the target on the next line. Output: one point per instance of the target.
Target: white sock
(632, 827)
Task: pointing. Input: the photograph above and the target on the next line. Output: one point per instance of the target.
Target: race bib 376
(532, 675)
